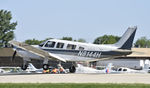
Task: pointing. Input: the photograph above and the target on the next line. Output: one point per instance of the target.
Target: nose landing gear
(24, 67)
(45, 66)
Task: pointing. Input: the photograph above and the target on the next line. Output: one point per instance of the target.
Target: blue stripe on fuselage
(85, 53)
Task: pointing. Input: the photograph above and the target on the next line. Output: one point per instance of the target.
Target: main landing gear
(24, 67)
(25, 64)
(72, 69)
(45, 66)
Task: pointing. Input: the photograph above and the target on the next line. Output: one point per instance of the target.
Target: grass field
(69, 85)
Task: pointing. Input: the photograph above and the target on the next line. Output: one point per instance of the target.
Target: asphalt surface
(75, 78)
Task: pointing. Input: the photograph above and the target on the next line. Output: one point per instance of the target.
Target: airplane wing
(36, 51)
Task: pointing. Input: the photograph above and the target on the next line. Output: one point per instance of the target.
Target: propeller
(14, 55)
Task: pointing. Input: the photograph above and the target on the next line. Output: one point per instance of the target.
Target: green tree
(6, 27)
(81, 40)
(45, 39)
(143, 42)
(106, 39)
(67, 38)
(33, 42)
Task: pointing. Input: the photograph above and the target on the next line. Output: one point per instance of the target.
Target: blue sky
(87, 19)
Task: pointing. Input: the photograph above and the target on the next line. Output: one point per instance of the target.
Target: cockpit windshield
(41, 45)
(50, 44)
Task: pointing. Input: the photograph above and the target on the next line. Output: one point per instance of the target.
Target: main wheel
(72, 69)
(24, 67)
(45, 66)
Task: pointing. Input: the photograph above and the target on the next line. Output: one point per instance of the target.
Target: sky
(87, 19)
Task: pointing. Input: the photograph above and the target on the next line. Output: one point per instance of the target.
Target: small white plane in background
(62, 50)
(32, 69)
(145, 69)
(83, 69)
(128, 70)
(10, 69)
(109, 69)
(2, 70)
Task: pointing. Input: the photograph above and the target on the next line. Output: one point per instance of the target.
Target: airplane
(145, 69)
(83, 69)
(64, 51)
(128, 70)
(32, 69)
(10, 69)
(2, 71)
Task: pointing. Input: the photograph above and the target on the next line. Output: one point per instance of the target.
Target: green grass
(71, 85)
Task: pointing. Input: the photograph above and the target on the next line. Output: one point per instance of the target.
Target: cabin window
(81, 48)
(71, 46)
(50, 44)
(124, 69)
(120, 69)
(60, 45)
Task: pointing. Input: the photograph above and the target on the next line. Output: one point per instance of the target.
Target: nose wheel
(45, 66)
(24, 67)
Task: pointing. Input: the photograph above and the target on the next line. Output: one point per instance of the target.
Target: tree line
(7, 28)
(142, 42)
(37, 42)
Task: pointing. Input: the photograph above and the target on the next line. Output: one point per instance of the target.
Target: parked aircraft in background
(62, 50)
(2, 71)
(110, 69)
(128, 70)
(83, 69)
(32, 69)
(145, 69)
(10, 70)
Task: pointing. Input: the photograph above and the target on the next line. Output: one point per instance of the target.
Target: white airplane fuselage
(62, 50)
(76, 51)
(80, 51)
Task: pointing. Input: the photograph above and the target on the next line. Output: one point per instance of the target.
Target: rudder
(126, 40)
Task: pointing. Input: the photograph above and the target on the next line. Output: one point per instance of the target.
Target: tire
(24, 67)
(45, 66)
(72, 69)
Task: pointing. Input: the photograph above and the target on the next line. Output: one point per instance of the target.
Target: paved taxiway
(76, 78)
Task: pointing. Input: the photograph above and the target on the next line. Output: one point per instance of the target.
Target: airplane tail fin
(146, 65)
(126, 40)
